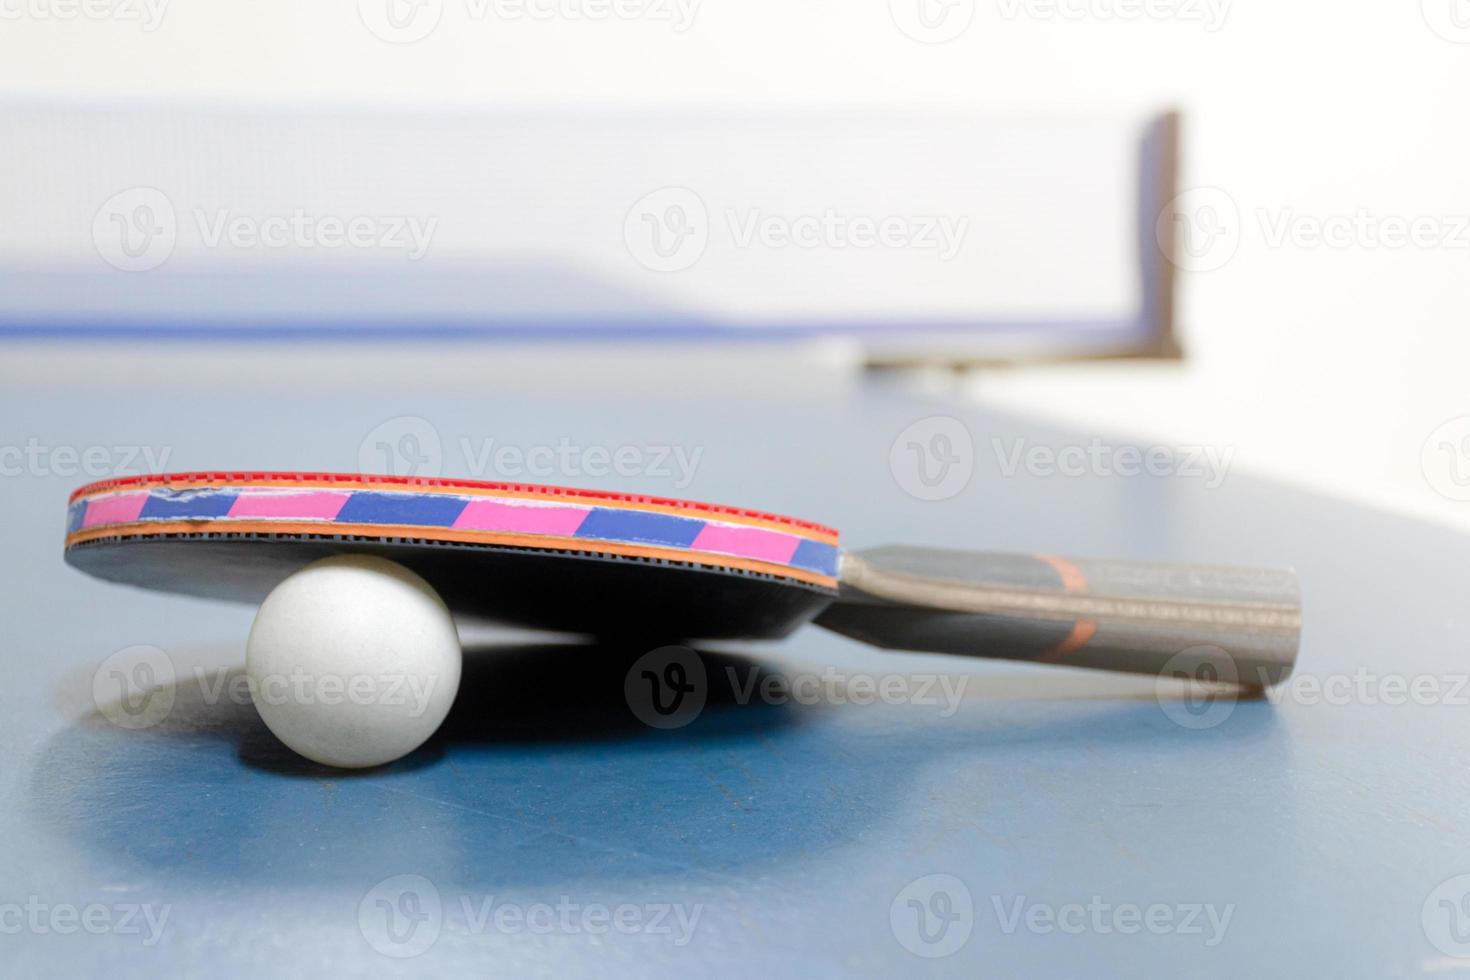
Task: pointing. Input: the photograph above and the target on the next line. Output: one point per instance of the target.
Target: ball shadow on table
(549, 694)
(544, 773)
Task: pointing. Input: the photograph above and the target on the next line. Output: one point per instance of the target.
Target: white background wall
(1325, 365)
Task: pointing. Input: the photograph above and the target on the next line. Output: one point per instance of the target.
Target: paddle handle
(1241, 625)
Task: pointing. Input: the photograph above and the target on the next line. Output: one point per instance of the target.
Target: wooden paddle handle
(1240, 625)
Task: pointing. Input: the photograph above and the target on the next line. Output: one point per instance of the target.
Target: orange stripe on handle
(1083, 630)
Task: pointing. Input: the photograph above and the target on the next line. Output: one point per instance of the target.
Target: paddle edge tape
(417, 484)
(509, 515)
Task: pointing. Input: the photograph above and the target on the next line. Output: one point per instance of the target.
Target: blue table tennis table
(1039, 822)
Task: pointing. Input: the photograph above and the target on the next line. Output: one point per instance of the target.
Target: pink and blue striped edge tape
(339, 508)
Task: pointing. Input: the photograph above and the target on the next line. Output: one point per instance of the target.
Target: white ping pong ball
(353, 661)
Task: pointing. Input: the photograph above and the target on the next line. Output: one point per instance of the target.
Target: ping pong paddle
(632, 566)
